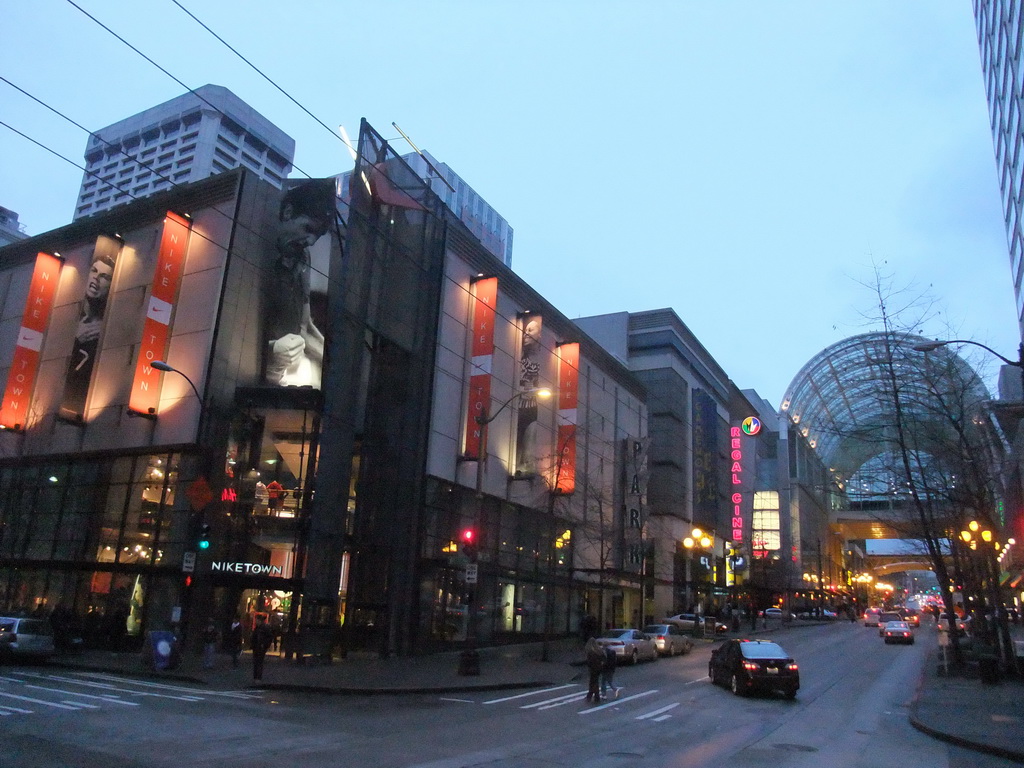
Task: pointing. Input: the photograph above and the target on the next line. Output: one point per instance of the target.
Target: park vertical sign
(568, 400)
(485, 296)
(145, 394)
(34, 321)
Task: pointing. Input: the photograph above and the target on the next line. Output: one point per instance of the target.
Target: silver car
(25, 638)
(630, 645)
(669, 639)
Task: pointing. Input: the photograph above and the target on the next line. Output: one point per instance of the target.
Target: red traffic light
(468, 536)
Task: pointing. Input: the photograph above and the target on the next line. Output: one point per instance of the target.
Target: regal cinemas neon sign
(750, 426)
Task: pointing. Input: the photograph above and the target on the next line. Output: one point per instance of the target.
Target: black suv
(749, 665)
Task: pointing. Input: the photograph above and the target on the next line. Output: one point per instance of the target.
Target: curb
(960, 741)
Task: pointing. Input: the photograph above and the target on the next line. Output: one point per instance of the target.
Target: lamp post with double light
(199, 496)
(469, 659)
(697, 539)
(971, 535)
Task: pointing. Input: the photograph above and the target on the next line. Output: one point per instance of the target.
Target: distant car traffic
(886, 616)
(871, 617)
(773, 613)
(754, 665)
(911, 616)
(630, 645)
(897, 632)
(669, 639)
(25, 638)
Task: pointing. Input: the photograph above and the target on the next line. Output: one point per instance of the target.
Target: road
(851, 711)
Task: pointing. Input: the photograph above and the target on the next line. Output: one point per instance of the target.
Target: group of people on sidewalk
(261, 639)
(601, 662)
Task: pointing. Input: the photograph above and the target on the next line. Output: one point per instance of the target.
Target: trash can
(161, 650)
(988, 669)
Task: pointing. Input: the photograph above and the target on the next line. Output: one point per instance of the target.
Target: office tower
(999, 38)
(10, 228)
(197, 134)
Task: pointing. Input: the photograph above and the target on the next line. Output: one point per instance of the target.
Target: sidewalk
(964, 711)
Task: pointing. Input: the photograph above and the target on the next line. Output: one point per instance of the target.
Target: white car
(25, 638)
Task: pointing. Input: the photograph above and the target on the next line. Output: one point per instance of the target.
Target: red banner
(484, 301)
(568, 399)
(145, 395)
(34, 321)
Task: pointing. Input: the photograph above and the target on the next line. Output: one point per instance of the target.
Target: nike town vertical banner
(568, 399)
(145, 396)
(482, 350)
(22, 376)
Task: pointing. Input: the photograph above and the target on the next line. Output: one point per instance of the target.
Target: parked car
(25, 638)
(772, 613)
(754, 665)
(630, 645)
(871, 617)
(897, 632)
(691, 622)
(669, 638)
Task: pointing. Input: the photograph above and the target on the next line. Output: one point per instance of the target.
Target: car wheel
(790, 694)
(734, 684)
(634, 657)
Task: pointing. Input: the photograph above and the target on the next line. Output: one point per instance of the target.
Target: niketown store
(309, 448)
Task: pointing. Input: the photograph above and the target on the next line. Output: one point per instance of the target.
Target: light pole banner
(485, 296)
(568, 399)
(145, 395)
(22, 376)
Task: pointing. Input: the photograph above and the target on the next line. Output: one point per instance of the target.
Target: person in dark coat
(261, 639)
(608, 674)
(595, 663)
(233, 641)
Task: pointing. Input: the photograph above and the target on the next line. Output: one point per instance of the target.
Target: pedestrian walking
(234, 641)
(608, 674)
(261, 639)
(595, 664)
(209, 645)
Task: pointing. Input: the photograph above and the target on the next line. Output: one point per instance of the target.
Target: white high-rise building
(188, 138)
(999, 37)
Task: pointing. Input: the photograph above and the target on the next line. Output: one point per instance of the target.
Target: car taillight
(792, 666)
(751, 665)
(659, 637)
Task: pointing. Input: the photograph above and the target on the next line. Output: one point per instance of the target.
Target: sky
(751, 165)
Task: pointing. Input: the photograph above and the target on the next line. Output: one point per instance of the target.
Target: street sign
(471, 572)
(188, 562)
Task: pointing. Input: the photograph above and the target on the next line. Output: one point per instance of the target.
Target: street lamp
(931, 346)
(160, 365)
(697, 539)
(469, 659)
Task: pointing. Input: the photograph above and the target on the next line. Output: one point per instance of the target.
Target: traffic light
(204, 537)
(468, 539)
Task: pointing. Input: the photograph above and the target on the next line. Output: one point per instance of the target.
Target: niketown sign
(252, 568)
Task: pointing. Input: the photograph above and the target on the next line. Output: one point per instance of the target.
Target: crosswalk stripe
(531, 693)
(568, 700)
(616, 702)
(45, 703)
(166, 687)
(12, 710)
(568, 696)
(658, 711)
(109, 699)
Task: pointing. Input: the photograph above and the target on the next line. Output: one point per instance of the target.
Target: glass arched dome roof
(839, 400)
